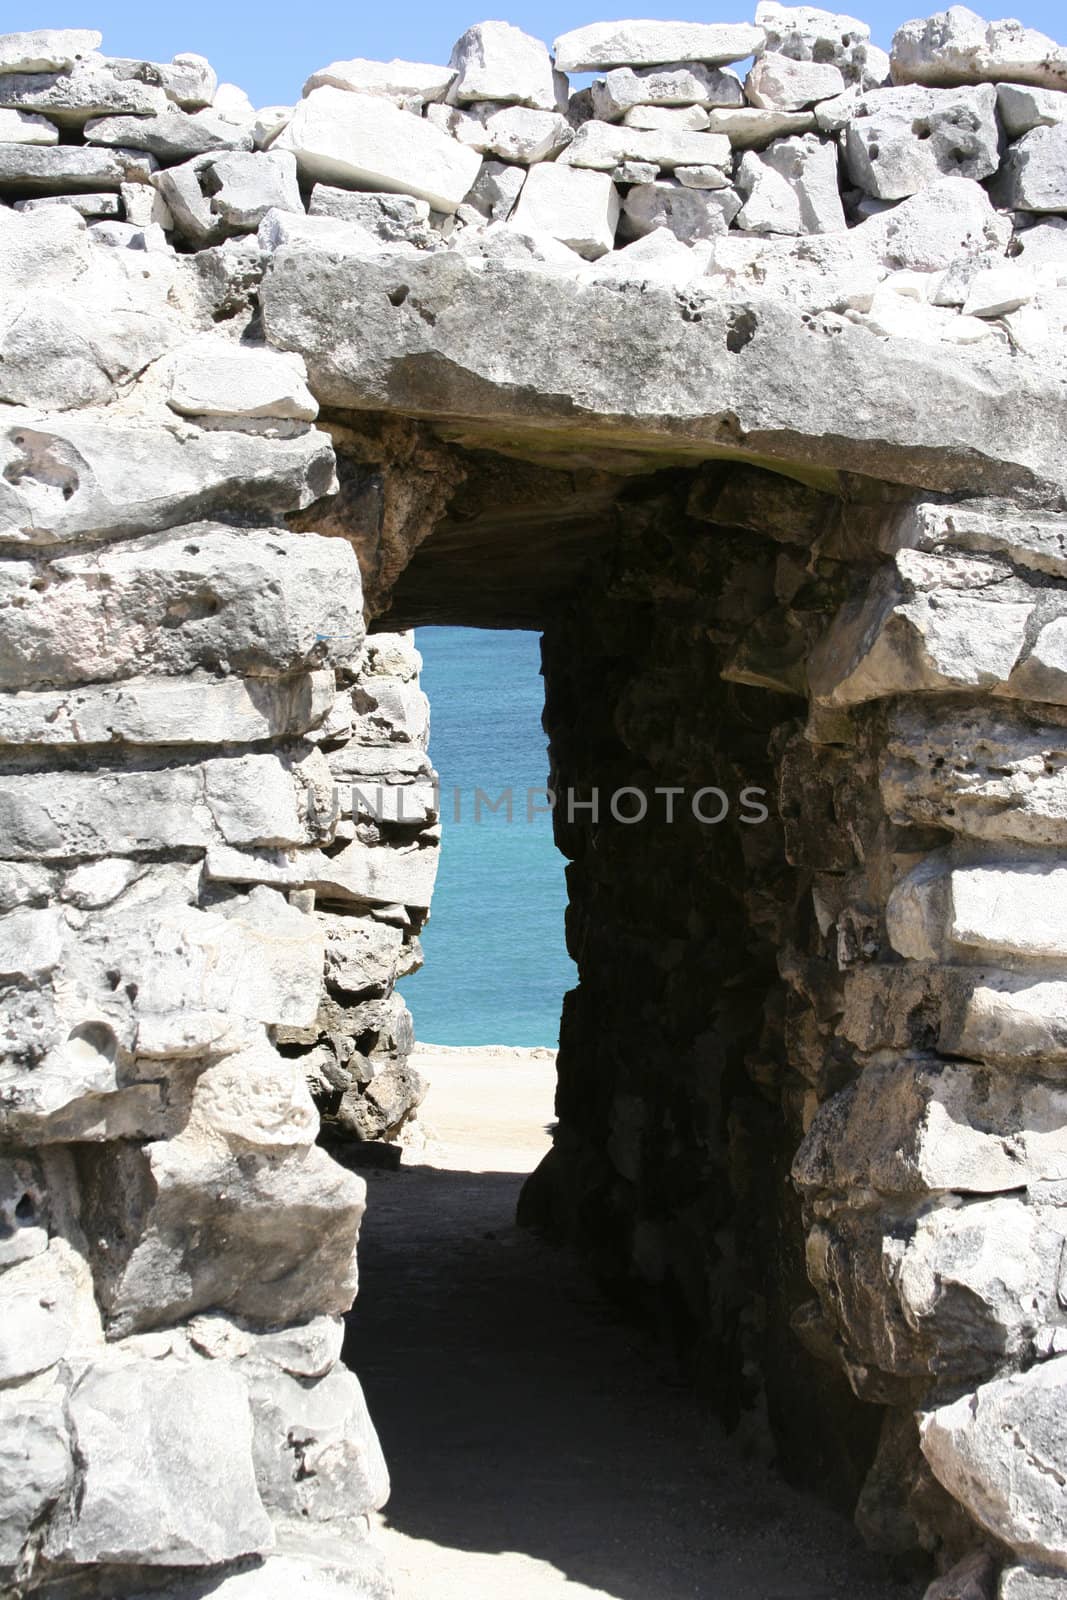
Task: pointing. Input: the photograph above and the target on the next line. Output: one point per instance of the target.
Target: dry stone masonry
(740, 373)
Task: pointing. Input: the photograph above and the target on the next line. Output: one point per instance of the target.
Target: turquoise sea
(496, 967)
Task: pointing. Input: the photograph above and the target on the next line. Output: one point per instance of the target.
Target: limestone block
(35, 1463)
(185, 1225)
(256, 1099)
(176, 604)
(86, 205)
(36, 1317)
(160, 711)
(950, 218)
(119, 478)
(392, 218)
(578, 207)
(170, 135)
(791, 187)
(25, 127)
(66, 168)
(689, 214)
(496, 61)
(1003, 1018)
(189, 80)
(984, 774)
(390, 711)
(691, 84)
(404, 805)
(514, 133)
(929, 622)
(47, 49)
(1022, 109)
(213, 377)
(361, 141)
(377, 875)
(697, 177)
(999, 1451)
(1034, 174)
(244, 186)
(294, 228)
(165, 1459)
(667, 119)
(751, 128)
(1027, 1583)
(91, 88)
(1010, 911)
(495, 190)
(361, 954)
(900, 140)
(658, 257)
(648, 44)
(803, 33)
(957, 46)
(24, 1212)
(380, 1110)
(603, 145)
(393, 80)
(316, 1452)
(777, 83)
(911, 1126)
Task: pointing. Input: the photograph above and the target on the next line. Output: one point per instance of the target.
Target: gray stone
(777, 83)
(361, 141)
(361, 956)
(603, 145)
(495, 190)
(1027, 1583)
(35, 1465)
(59, 169)
(243, 187)
(86, 205)
(394, 80)
(24, 1212)
(997, 1451)
(92, 88)
(36, 1321)
(496, 61)
(686, 84)
(667, 119)
(212, 377)
(578, 207)
(899, 140)
(957, 46)
(1034, 174)
(1022, 109)
(165, 1477)
(646, 44)
(47, 49)
(170, 135)
(791, 187)
(749, 128)
(119, 478)
(317, 1457)
(688, 213)
(803, 33)
(24, 127)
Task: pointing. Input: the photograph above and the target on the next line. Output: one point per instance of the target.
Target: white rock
(47, 49)
(94, 87)
(749, 128)
(683, 85)
(951, 218)
(578, 207)
(658, 257)
(900, 140)
(690, 214)
(514, 133)
(24, 127)
(189, 80)
(777, 83)
(496, 61)
(667, 119)
(998, 290)
(86, 205)
(803, 33)
(1022, 109)
(697, 178)
(245, 186)
(59, 169)
(646, 44)
(791, 187)
(166, 1473)
(604, 145)
(361, 141)
(35, 1460)
(214, 377)
(1034, 174)
(393, 80)
(170, 135)
(958, 46)
(270, 120)
(1044, 244)
(998, 1451)
(232, 104)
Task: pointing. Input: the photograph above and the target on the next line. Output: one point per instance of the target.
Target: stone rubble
(217, 324)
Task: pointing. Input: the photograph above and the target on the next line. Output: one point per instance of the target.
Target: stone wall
(749, 393)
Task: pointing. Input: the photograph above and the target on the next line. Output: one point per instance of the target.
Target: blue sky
(269, 47)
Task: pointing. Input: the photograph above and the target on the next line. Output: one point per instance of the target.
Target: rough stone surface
(647, 44)
(958, 46)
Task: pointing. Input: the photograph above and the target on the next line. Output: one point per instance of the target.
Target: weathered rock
(1022, 109)
(1028, 1583)
(996, 1450)
(690, 214)
(25, 127)
(51, 169)
(578, 207)
(91, 88)
(147, 1435)
(495, 190)
(393, 80)
(243, 187)
(361, 956)
(170, 135)
(316, 1453)
(515, 133)
(749, 128)
(973, 1578)
(900, 140)
(214, 378)
(1008, 911)
(777, 83)
(957, 46)
(649, 44)
(603, 145)
(667, 119)
(803, 33)
(392, 218)
(682, 85)
(35, 1464)
(791, 187)
(1034, 174)
(359, 140)
(47, 49)
(496, 61)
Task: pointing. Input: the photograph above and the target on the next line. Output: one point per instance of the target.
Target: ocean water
(496, 966)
